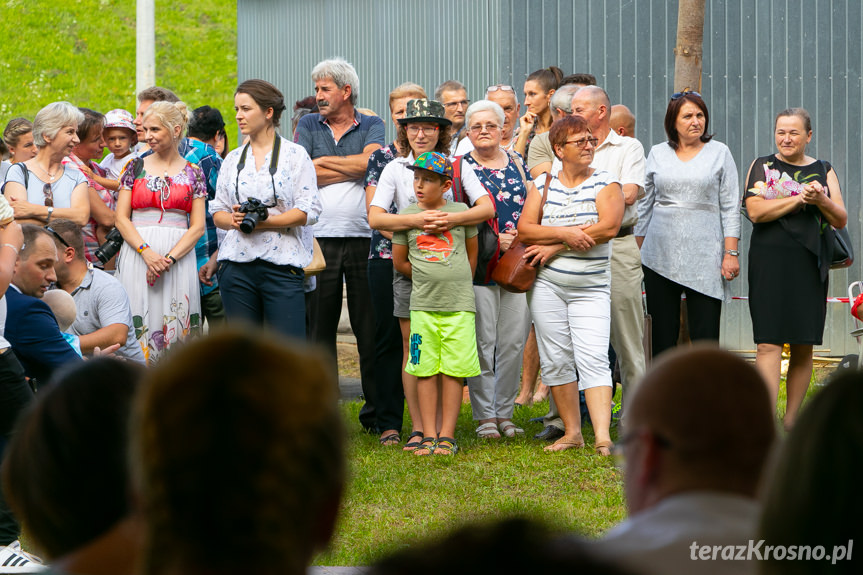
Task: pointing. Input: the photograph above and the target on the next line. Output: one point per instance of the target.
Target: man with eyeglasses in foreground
(691, 475)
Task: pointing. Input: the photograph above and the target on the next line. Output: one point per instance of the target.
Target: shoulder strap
(544, 195)
(516, 159)
(26, 172)
(457, 188)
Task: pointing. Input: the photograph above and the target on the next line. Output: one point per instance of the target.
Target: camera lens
(250, 222)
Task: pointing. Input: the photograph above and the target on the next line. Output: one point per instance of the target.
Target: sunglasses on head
(678, 95)
(58, 236)
(49, 195)
(501, 87)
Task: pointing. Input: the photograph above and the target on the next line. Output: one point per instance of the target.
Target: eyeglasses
(678, 95)
(49, 195)
(618, 453)
(58, 236)
(501, 87)
(582, 142)
(454, 105)
(480, 128)
(414, 130)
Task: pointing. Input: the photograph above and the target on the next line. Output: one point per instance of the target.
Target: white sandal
(508, 428)
(487, 431)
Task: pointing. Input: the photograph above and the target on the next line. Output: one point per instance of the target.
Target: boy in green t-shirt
(443, 325)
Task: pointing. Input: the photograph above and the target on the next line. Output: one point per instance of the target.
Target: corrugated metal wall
(759, 57)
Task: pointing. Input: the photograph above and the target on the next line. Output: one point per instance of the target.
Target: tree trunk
(687, 76)
(689, 49)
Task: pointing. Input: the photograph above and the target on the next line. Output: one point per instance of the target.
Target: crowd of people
(173, 232)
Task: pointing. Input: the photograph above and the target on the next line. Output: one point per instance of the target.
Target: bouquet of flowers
(776, 185)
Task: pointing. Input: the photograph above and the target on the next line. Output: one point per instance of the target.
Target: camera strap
(274, 165)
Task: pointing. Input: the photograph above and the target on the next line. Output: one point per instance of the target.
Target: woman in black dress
(792, 200)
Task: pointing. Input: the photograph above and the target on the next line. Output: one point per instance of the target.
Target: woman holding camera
(266, 198)
(160, 214)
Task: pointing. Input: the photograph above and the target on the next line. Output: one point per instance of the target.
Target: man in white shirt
(699, 431)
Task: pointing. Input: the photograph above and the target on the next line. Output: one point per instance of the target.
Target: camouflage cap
(424, 110)
(433, 162)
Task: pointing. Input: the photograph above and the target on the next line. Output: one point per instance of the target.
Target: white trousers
(572, 329)
(502, 325)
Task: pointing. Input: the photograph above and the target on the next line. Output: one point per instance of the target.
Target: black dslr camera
(256, 211)
(112, 245)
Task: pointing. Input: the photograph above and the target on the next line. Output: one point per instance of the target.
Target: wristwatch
(734, 253)
(50, 213)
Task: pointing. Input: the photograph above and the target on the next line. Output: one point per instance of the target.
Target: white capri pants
(572, 328)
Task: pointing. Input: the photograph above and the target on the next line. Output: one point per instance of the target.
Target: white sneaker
(13, 559)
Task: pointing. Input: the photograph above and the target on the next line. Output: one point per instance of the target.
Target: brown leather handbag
(512, 272)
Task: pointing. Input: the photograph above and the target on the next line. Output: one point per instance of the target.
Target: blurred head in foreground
(813, 495)
(65, 470)
(699, 421)
(237, 457)
(509, 547)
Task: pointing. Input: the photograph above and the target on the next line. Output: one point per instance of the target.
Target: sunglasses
(678, 95)
(49, 195)
(501, 87)
(58, 236)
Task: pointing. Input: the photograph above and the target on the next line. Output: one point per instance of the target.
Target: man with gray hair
(453, 95)
(340, 140)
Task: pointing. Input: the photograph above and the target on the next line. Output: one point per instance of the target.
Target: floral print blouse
(381, 247)
(507, 187)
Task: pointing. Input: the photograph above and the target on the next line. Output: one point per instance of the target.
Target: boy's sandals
(488, 431)
(508, 428)
(603, 448)
(563, 444)
(446, 446)
(412, 444)
(426, 447)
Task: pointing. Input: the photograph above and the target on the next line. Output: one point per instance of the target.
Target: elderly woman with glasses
(423, 128)
(688, 224)
(42, 187)
(502, 318)
(569, 227)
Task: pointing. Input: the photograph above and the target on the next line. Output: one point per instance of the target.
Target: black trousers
(663, 303)
(15, 395)
(263, 293)
(388, 399)
(347, 262)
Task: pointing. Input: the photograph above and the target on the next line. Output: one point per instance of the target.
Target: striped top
(573, 207)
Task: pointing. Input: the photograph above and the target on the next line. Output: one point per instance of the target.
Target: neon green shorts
(443, 342)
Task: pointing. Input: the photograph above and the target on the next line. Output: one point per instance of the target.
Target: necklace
(50, 175)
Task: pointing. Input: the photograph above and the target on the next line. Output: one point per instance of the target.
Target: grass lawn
(395, 499)
(84, 52)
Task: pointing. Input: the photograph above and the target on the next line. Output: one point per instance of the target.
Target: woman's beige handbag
(318, 262)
